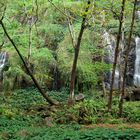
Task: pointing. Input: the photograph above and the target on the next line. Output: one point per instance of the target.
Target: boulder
(79, 97)
(136, 94)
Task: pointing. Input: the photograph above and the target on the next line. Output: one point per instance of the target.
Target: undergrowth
(23, 115)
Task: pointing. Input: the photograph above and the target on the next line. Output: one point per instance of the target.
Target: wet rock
(132, 94)
(79, 97)
(131, 64)
(136, 94)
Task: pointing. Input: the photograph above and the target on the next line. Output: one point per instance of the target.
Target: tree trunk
(76, 53)
(120, 65)
(126, 61)
(50, 100)
(30, 44)
(116, 55)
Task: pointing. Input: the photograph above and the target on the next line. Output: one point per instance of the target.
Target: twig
(62, 12)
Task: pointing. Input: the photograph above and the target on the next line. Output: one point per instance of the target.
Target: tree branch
(62, 12)
(71, 29)
(50, 100)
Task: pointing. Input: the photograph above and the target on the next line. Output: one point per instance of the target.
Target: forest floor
(24, 115)
(115, 126)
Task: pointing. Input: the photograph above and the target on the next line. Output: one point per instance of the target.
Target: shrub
(88, 70)
(132, 111)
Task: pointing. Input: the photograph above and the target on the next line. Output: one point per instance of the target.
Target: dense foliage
(50, 39)
(22, 116)
(46, 33)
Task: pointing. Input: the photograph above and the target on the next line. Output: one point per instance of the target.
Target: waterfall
(3, 61)
(110, 42)
(137, 63)
(138, 14)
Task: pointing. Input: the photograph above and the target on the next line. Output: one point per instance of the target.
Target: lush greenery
(71, 133)
(46, 33)
(50, 39)
(22, 116)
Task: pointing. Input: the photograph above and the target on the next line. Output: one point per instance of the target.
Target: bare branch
(71, 29)
(2, 44)
(62, 12)
(36, 2)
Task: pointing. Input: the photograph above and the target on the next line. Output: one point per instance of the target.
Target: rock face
(136, 95)
(133, 67)
(132, 94)
(110, 45)
(131, 64)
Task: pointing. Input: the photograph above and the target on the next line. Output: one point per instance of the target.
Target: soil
(114, 126)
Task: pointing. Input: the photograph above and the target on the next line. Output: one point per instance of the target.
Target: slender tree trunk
(103, 77)
(126, 61)
(30, 44)
(116, 55)
(120, 66)
(50, 100)
(76, 52)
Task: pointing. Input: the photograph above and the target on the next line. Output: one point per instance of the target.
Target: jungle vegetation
(53, 83)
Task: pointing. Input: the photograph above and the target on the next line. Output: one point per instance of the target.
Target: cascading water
(137, 63)
(138, 14)
(110, 49)
(3, 62)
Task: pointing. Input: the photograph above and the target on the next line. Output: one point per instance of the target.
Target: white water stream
(110, 49)
(137, 63)
(3, 60)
